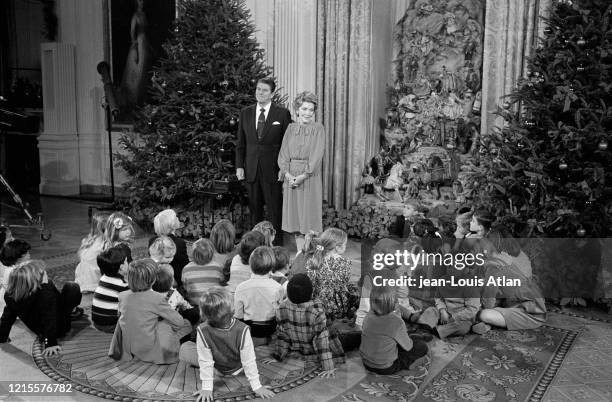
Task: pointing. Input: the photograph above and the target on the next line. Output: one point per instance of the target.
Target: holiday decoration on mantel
(185, 136)
(432, 119)
(554, 168)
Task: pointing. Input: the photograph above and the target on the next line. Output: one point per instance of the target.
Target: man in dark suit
(260, 134)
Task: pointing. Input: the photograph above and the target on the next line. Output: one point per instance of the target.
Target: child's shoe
(481, 328)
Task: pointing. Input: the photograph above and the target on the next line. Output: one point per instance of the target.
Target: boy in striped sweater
(112, 262)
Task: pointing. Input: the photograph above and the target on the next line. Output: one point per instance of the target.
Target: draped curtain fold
(512, 29)
(344, 87)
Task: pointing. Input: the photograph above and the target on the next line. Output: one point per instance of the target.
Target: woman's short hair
(262, 260)
(165, 222)
(282, 258)
(249, 242)
(266, 228)
(141, 274)
(13, 251)
(25, 280)
(303, 97)
(383, 299)
(216, 306)
(203, 251)
(110, 261)
(162, 247)
(164, 278)
(223, 236)
(268, 81)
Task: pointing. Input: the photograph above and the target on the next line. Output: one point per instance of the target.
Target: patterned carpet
(498, 366)
(85, 364)
(502, 365)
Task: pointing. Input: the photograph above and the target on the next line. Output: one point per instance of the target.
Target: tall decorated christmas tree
(551, 164)
(185, 134)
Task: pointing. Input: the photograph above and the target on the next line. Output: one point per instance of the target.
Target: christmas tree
(551, 165)
(185, 134)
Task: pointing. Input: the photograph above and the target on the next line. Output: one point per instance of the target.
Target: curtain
(512, 29)
(344, 87)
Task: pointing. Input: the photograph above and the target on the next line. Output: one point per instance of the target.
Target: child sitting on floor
(148, 328)
(266, 229)
(386, 347)
(281, 268)
(87, 273)
(163, 284)
(224, 343)
(239, 268)
(104, 307)
(302, 327)
(119, 228)
(33, 298)
(455, 307)
(202, 273)
(330, 272)
(162, 251)
(257, 298)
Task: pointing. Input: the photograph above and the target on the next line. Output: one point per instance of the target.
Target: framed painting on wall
(137, 30)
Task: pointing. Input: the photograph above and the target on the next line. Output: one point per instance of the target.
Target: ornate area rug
(498, 366)
(502, 366)
(84, 364)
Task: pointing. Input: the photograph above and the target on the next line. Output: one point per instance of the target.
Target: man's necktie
(261, 122)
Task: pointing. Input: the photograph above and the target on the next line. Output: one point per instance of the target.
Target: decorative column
(58, 143)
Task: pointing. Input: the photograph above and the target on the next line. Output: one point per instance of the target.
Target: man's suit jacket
(251, 151)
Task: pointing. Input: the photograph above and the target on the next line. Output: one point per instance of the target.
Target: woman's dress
(302, 152)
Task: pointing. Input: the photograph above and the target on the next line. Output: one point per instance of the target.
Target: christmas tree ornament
(581, 232)
(581, 42)
(603, 145)
(562, 165)
(232, 122)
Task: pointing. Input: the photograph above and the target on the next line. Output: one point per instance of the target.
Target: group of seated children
(212, 309)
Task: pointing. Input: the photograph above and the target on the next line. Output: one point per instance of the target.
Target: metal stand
(45, 234)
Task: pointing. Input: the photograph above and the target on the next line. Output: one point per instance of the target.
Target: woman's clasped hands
(295, 181)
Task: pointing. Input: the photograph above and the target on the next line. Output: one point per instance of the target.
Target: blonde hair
(383, 300)
(203, 251)
(141, 274)
(304, 97)
(325, 244)
(25, 280)
(217, 306)
(114, 224)
(266, 229)
(161, 246)
(96, 230)
(223, 236)
(164, 222)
